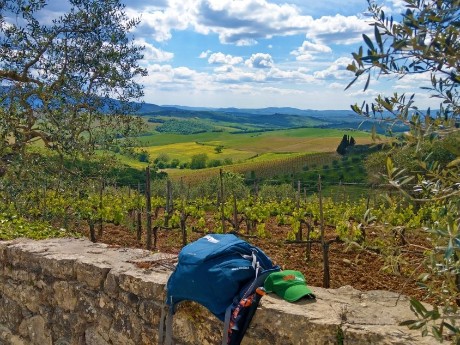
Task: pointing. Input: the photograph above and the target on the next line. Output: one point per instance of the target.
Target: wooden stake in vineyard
(169, 202)
(236, 223)
(148, 205)
(139, 214)
(222, 200)
(299, 233)
(45, 187)
(183, 214)
(101, 222)
(324, 244)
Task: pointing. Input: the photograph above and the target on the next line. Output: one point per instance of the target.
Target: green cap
(288, 284)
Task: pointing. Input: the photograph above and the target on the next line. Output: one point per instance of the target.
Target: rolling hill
(265, 118)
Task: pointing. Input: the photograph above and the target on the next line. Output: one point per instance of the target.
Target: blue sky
(256, 53)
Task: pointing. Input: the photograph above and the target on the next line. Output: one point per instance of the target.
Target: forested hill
(266, 118)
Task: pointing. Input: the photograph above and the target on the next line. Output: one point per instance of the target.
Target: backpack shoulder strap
(166, 318)
(169, 330)
(228, 314)
(162, 324)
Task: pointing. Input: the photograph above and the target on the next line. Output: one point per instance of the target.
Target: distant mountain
(269, 118)
(257, 118)
(335, 115)
(261, 111)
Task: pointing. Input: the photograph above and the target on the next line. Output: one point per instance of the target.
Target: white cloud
(205, 54)
(160, 76)
(413, 81)
(308, 49)
(238, 75)
(159, 22)
(224, 69)
(336, 86)
(338, 29)
(153, 54)
(337, 70)
(244, 23)
(245, 42)
(220, 58)
(305, 56)
(184, 73)
(314, 47)
(260, 60)
(234, 21)
(397, 6)
(368, 95)
(291, 76)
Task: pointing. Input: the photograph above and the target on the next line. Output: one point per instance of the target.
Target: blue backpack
(223, 273)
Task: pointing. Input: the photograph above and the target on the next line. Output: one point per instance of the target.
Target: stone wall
(71, 291)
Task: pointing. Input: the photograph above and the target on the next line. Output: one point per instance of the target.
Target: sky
(256, 53)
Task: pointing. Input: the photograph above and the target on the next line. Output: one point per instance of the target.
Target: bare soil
(364, 269)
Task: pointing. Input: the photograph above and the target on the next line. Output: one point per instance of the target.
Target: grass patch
(12, 226)
(185, 150)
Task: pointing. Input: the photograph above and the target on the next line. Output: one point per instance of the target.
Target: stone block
(130, 300)
(94, 338)
(87, 306)
(8, 338)
(3, 246)
(118, 334)
(36, 330)
(60, 325)
(111, 285)
(65, 295)
(10, 313)
(104, 324)
(126, 323)
(20, 275)
(23, 294)
(91, 274)
(58, 266)
(106, 304)
(147, 286)
(149, 336)
(18, 255)
(149, 311)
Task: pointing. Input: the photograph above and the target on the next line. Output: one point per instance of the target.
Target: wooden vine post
(101, 222)
(309, 242)
(236, 224)
(324, 243)
(45, 187)
(169, 202)
(148, 205)
(183, 214)
(222, 200)
(299, 232)
(139, 214)
(92, 231)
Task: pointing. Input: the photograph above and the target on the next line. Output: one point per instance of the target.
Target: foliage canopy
(425, 41)
(66, 82)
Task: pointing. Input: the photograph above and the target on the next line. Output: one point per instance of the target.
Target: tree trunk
(92, 231)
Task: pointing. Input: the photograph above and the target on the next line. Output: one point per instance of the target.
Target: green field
(265, 166)
(184, 151)
(261, 153)
(301, 140)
